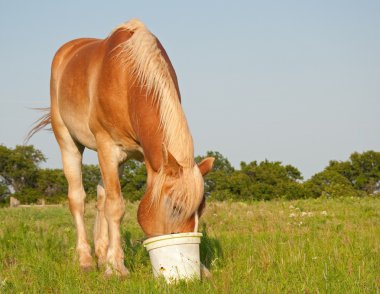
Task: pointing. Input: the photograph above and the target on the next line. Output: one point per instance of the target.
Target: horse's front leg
(114, 208)
(101, 238)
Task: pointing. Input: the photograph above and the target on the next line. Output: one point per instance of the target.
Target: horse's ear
(171, 165)
(205, 165)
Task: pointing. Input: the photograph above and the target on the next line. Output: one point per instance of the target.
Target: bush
(221, 195)
(4, 201)
(91, 177)
(362, 170)
(330, 184)
(266, 180)
(51, 182)
(292, 191)
(28, 196)
(133, 180)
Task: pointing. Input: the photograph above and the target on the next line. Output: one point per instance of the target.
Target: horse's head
(174, 199)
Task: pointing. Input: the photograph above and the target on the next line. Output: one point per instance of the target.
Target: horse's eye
(177, 210)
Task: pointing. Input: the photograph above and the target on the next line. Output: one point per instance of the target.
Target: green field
(305, 246)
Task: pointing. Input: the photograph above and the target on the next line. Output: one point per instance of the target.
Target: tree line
(22, 177)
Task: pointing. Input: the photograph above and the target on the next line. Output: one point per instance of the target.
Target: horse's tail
(39, 124)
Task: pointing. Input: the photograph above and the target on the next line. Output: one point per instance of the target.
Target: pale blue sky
(294, 81)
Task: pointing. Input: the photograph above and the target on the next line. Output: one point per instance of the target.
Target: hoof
(101, 263)
(87, 268)
(86, 263)
(119, 271)
(205, 273)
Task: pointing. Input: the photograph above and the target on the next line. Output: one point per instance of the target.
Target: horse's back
(85, 74)
(65, 52)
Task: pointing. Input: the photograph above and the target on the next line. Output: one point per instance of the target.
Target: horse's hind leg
(72, 167)
(101, 227)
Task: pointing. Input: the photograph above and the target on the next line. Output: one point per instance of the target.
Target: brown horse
(120, 97)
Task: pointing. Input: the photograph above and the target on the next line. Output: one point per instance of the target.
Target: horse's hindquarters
(72, 74)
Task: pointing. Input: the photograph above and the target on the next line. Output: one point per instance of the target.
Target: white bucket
(175, 256)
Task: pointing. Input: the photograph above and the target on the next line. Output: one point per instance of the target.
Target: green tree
(271, 180)
(19, 166)
(362, 170)
(270, 172)
(4, 191)
(254, 181)
(329, 183)
(133, 180)
(221, 163)
(51, 183)
(344, 168)
(90, 177)
(366, 168)
(217, 179)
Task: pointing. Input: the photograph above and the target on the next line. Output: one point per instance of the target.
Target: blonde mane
(142, 54)
(152, 72)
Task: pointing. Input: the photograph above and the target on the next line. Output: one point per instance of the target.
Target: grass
(305, 246)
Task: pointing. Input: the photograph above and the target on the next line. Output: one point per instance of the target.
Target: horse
(120, 97)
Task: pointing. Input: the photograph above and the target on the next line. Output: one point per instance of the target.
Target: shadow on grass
(211, 252)
(136, 255)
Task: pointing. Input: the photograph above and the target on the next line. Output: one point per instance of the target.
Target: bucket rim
(155, 239)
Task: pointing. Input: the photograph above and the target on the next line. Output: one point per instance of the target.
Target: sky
(290, 81)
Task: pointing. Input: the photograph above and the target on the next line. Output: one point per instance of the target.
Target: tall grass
(304, 246)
